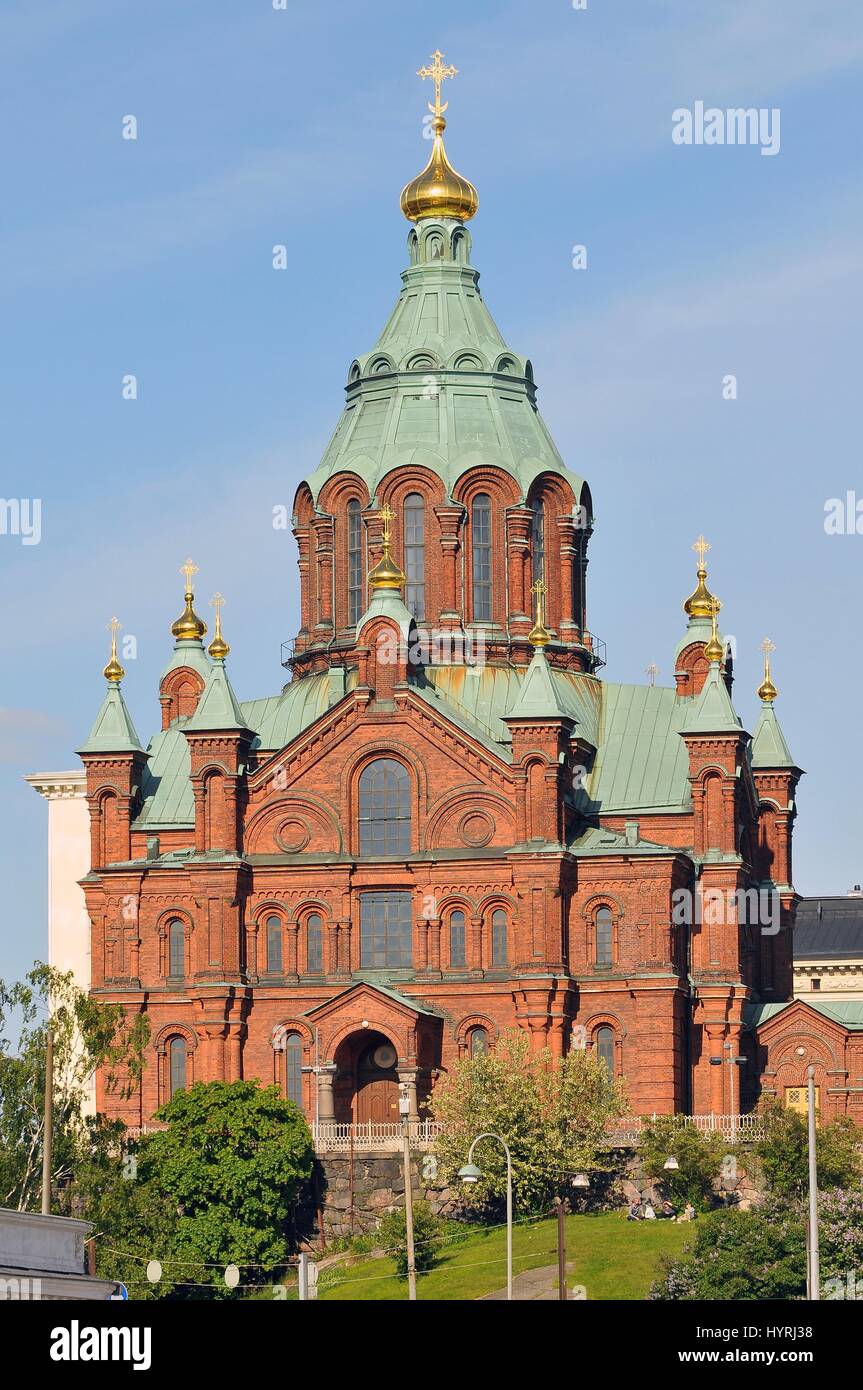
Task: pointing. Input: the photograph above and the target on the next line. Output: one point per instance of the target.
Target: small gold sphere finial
(439, 191)
(767, 691)
(714, 649)
(114, 672)
(189, 627)
(700, 603)
(218, 648)
(539, 634)
(386, 573)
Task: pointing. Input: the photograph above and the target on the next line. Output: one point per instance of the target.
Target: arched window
(457, 957)
(498, 937)
(355, 561)
(176, 950)
(177, 1059)
(385, 808)
(415, 555)
(478, 1042)
(315, 944)
(480, 535)
(274, 945)
(537, 539)
(294, 1068)
(604, 936)
(603, 1041)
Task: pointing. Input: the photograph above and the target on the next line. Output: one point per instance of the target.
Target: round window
(385, 1057)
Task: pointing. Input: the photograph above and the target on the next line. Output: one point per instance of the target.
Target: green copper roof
(641, 761)
(697, 630)
(441, 389)
(538, 696)
(769, 749)
(113, 731)
(217, 708)
(388, 603)
(188, 653)
(711, 711)
(848, 1013)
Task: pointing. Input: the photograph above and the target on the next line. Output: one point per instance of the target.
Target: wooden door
(377, 1085)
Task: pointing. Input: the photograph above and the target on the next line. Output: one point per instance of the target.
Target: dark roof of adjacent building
(829, 928)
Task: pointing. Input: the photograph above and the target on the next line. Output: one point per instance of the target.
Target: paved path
(537, 1285)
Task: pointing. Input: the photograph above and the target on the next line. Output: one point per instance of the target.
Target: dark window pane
(604, 936)
(498, 937)
(315, 943)
(177, 950)
(178, 1065)
(355, 562)
(478, 1042)
(604, 1043)
(385, 809)
(415, 553)
(386, 930)
(274, 945)
(538, 541)
(294, 1068)
(481, 548)
(456, 940)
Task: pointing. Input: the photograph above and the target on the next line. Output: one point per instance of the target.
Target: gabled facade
(446, 823)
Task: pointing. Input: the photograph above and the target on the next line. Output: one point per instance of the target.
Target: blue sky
(257, 127)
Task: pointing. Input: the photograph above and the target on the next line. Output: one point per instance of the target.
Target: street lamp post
(470, 1174)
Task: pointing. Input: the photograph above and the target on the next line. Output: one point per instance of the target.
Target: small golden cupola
(767, 691)
(189, 627)
(539, 635)
(700, 602)
(439, 191)
(113, 672)
(386, 573)
(218, 648)
(714, 650)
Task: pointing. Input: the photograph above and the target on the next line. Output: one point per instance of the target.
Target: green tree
(752, 1255)
(699, 1156)
(783, 1153)
(392, 1230)
(86, 1035)
(553, 1113)
(232, 1161)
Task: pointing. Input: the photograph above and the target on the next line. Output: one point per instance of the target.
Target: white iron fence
(733, 1128)
(330, 1137)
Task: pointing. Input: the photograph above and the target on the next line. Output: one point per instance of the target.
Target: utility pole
(404, 1110)
(814, 1253)
(48, 1124)
(562, 1206)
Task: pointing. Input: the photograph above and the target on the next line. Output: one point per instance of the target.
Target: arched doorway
(377, 1087)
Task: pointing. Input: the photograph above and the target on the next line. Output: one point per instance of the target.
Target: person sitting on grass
(649, 1213)
(668, 1211)
(635, 1213)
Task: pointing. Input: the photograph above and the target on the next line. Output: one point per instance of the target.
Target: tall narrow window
(355, 562)
(385, 808)
(177, 1058)
(177, 950)
(294, 1068)
(604, 936)
(479, 1042)
(604, 1044)
(386, 930)
(456, 940)
(415, 555)
(274, 945)
(315, 944)
(498, 937)
(480, 536)
(537, 539)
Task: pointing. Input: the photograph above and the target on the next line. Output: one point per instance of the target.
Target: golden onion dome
(700, 602)
(386, 573)
(189, 627)
(218, 648)
(767, 691)
(113, 672)
(714, 650)
(439, 191)
(539, 635)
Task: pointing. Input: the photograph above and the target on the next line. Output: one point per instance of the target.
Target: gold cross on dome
(767, 647)
(701, 546)
(438, 73)
(386, 515)
(652, 671)
(189, 569)
(114, 627)
(538, 588)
